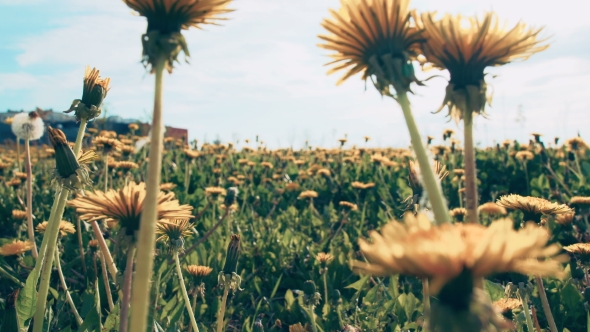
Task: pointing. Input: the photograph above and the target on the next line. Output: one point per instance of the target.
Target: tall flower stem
(325, 277)
(81, 246)
(221, 313)
(62, 281)
(80, 136)
(312, 318)
(524, 299)
(30, 229)
(545, 303)
(105, 250)
(18, 153)
(146, 242)
(105, 278)
(431, 183)
(470, 169)
(106, 172)
(187, 176)
(124, 317)
(187, 301)
(47, 258)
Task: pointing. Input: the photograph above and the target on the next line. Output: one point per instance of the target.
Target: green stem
(18, 153)
(326, 286)
(105, 277)
(582, 177)
(187, 176)
(221, 313)
(11, 277)
(545, 303)
(146, 241)
(426, 296)
(106, 172)
(124, 316)
(525, 308)
(311, 315)
(47, 257)
(187, 301)
(470, 169)
(105, 250)
(62, 280)
(30, 229)
(80, 137)
(431, 182)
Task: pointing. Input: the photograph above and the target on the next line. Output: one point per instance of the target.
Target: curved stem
(187, 301)
(545, 303)
(221, 313)
(30, 229)
(431, 182)
(146, 241)
(124, 316)
(105, 278)
(62, 281)
(51, 236)
(104, 249)
(470, 169)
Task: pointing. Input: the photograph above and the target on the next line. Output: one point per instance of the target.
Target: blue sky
(262, 73)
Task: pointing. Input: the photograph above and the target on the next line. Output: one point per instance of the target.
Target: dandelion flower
(167, 186)
(27, 126)
(576, 144)
(215, 191)
(308, 194)
(466, 47)
(458, 213)
(443, 252)
(376, 38)
(506, 305)
(16, 247)
(565, 218)
(581, 201)
(362, 185)
(125, 206)
(108, 144)
(65, 228)
(524, 156)
(126, 165)
(532, 207)
(266, 164)
(199, 271)
(348, 205)
(491, 208)
(173, 231)
(324, 258)
(19, 214)
(166, 18)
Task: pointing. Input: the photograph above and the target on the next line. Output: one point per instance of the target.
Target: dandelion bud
(94, 92)
(233, 252)
(336, 297)
(69, 172)
(258, 327)
(231, 195)
(27, 126)
(309, 288)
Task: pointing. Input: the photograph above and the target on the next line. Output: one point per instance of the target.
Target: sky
(261, 73)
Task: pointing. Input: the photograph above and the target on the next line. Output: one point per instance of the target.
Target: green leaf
(112, 321)
(495, 291)
(289, 298)
(571, 296)
(358, 285)
(27, 299)
(92, 320)
(274, 290)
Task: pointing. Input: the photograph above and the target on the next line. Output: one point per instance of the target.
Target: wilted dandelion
(94, 91)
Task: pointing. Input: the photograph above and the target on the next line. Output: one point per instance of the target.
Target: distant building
(67, 123)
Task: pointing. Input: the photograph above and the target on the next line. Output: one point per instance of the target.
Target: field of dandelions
(126, 232)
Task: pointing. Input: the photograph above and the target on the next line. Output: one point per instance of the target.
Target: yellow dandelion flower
(466, 47)
(16, 247)
(348, 205)
(308, 194)
(198, 271)
(65, 228)
(491, 208)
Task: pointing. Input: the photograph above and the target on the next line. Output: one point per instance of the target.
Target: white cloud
(261, 73)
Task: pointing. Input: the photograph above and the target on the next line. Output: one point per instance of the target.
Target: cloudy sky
(262, 73)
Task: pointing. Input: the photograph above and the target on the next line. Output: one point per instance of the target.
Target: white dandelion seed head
(28, 126)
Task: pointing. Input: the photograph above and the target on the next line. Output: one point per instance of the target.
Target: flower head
(443, 252)
(173, 231)
(19, 214)
(581, 201)
(198, 271)
(16, 247)
(125, 206)
(507, 304)
(532, 207)
(524, 156)
(465, 47)
(324, 258)
(458, 213)
(94, 91)
(27, 126)
(580, 250)
(65, 228)
(491, 208)
(377, 38)
(362, 185)
(108, 144)
(308, 194)
(215, 191)
(348, 205)
(166, 18)
(168, 186)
